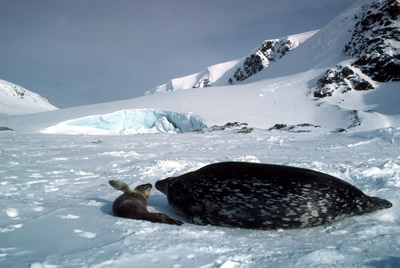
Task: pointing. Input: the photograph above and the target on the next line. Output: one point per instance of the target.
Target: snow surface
(16, 100)
(56, 202)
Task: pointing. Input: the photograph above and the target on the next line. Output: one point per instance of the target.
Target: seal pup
(133, 204)
(263, 196)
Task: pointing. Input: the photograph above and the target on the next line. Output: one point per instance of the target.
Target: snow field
(56, 202)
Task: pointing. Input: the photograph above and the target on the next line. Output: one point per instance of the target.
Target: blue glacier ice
(127, 122)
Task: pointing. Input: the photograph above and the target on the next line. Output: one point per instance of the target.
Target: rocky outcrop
(342, 79)
(203, 82)
(270, 51)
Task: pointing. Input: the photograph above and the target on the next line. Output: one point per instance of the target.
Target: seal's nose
(381, 203)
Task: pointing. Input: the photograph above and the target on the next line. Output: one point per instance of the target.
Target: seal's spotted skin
(262, 196)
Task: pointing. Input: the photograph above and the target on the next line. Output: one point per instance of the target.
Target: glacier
(128, 122)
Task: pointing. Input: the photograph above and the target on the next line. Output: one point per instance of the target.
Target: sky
(79, 52)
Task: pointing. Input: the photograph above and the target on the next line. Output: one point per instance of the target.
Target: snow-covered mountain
(236, 71)
(15, 100)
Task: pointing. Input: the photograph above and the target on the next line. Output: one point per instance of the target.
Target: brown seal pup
(262, 196)
(133, 204)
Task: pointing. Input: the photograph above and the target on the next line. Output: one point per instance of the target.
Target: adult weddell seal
(263, 196)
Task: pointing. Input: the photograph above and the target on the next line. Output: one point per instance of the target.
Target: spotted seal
(264, 196)
(133, 204)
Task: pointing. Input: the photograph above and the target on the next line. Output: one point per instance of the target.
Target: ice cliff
(127, 122)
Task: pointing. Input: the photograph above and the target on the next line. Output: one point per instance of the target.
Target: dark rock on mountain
(340, 78)
(270, 51)
(204, 82)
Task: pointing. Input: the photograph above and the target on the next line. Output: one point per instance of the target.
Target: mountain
(236, 71)
(373, 50)
(16, 100)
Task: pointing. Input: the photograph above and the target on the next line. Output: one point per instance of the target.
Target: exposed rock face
(376, 41)
(203, 82)
(270, 50)
(17, 91)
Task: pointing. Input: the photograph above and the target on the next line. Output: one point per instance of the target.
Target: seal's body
(133, 204)
(262, 196)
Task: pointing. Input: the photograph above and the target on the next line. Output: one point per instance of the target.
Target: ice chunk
(127, 122)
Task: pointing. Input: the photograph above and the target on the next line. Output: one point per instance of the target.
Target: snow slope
(16, 100)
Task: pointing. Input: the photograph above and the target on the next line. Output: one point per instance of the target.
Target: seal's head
(381, 203)
(144, 190)
(162, 185)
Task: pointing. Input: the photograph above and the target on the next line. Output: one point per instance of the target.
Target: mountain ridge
(238, 70)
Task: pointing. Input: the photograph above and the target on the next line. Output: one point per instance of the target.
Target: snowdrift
(127, 122)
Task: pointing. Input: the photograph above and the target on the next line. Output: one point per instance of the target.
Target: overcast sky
(77, 52)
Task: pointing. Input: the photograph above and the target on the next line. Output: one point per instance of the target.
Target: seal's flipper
(161, 218)
(119, 185)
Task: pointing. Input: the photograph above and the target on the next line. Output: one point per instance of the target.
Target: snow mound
(128, 122)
